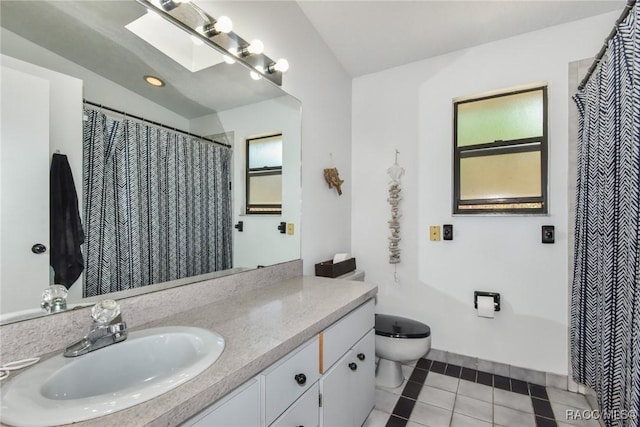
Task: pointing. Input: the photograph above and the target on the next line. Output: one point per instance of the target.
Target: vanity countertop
(259, 327)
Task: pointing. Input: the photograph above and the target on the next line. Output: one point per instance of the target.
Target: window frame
(498, 147)
(276, 209)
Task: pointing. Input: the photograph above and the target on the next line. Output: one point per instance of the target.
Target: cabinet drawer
(339, 337)
(305, 412)
(288, 378)
(240, 408)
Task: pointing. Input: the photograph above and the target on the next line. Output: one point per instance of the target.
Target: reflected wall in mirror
(55, 54)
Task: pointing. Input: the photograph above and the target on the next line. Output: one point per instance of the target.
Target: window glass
(265, 152)
(503, 118)
(265, 189)
(500, 176)
(500, 153)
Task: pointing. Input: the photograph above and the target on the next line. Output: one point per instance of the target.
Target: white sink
(63, 390)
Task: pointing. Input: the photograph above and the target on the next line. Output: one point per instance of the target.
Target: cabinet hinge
(320, 400)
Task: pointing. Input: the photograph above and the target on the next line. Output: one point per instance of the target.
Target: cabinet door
(337, 405)
(363, 378)
(241, 408)
(304, 413)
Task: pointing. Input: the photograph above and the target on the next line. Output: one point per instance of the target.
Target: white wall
(319, 81)
(409, 108)
(261, 243)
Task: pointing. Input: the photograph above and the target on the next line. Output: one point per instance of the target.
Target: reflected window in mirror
(264, 175)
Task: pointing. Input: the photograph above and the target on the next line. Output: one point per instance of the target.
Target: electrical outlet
(434, 233)
(447, 231)
(290, 228)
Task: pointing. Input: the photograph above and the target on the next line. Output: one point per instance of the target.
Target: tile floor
(444, 395)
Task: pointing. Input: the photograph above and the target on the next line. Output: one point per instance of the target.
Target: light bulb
(154, 81)
(255, 76)
(281, 65)
(228, 59)
(256, 47)
(223, 25)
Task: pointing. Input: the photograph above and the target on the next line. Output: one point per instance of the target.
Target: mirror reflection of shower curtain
(157, 205)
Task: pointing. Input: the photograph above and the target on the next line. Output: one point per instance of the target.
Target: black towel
(66, 234)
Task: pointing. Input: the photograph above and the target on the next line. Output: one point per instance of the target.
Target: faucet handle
(54, 299)
(105, 311)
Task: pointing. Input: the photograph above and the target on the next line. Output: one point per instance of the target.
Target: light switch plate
(434, 233)
(290, 228)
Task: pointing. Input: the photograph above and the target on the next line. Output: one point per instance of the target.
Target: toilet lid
(400, 327)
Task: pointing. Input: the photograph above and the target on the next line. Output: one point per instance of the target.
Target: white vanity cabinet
(347, 387)
(304, 413)
(287, 379)
(240, 408)
(327, 381)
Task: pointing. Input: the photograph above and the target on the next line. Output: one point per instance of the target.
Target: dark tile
(418, 376)
(453, 371)
(396, 422)
(542, 408)
(404, 407)
(538, 391)
(485, 378)
(501, 382)
(438, 367)
(412, 390)
(545, 422)
(518, 386)
(468, 374)
(424, 364)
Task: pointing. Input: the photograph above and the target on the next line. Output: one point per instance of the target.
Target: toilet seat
(400, 327)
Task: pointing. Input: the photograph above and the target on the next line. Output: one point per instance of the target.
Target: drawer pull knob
(361, 356)
(301, 379)
(353, 366)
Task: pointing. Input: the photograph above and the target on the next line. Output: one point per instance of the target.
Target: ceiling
(370, 36)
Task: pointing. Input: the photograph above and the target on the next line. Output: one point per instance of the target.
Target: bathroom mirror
(88, 42)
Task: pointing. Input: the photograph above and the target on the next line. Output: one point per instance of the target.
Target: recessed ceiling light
(154, 81)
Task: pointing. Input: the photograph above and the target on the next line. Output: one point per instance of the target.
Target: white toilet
(398, 340)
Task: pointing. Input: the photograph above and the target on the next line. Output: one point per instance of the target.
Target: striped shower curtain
(157, 205)
(605, 301)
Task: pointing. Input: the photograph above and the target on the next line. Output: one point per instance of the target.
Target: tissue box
(329, 269)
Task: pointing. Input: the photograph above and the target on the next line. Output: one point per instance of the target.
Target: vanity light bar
(228, 44)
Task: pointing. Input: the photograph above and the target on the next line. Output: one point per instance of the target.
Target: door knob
(38, 248)
(301, 379)
(353, 366)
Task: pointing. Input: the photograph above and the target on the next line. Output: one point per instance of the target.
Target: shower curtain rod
(154, 123)
(600, 55)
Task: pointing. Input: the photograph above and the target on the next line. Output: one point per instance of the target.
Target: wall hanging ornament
(332, 177)
(395, 173)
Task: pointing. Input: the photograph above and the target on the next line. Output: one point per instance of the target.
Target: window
(500, 158)
(264, 175)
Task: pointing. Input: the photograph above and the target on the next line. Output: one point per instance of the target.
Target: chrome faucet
(107, 328)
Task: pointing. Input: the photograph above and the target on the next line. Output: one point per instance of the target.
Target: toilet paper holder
(495, 295)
